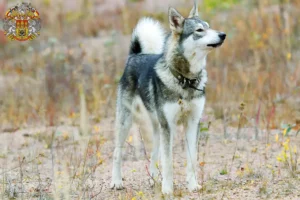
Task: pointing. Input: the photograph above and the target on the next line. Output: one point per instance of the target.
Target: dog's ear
(176, 20)
(194, 11)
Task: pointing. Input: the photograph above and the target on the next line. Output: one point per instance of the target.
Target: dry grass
(49, 163)
(260, 55)
(66, 80)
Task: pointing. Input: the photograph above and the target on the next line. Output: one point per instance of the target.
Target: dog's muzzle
(222, 37)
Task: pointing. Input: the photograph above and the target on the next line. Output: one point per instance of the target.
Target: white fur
(197, 106)
(197, 59)
(151, 36)
(209, 36)
(155, 149)
(171, 111)
(122, 128)
(196, 50)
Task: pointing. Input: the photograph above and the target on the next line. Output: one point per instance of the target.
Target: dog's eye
(199, 30)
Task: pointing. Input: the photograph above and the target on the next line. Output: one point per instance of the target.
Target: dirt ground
(59, 163)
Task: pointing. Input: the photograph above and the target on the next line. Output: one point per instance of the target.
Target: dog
(167, 72)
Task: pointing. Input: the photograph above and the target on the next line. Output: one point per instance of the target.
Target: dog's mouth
(215, 45)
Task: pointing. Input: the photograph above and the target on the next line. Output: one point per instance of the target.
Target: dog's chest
(185, 109)
(178, 110)
(184, 105)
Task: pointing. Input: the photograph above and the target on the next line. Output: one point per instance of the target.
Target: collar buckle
(186, 82)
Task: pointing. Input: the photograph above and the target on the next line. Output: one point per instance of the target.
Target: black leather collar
(186, 82)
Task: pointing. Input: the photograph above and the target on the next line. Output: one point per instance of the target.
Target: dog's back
(147, 45)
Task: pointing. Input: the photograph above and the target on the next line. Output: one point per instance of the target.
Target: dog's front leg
(166, 141)
(167, 122)
(192, 143)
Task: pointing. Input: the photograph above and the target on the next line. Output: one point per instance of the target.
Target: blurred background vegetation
(73, 68)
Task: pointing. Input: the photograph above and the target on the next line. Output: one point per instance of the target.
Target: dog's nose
(222, 35)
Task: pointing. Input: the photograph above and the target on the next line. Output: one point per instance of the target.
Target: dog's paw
(167, 189)
(118, 185)
(152, 182)
(194, 187)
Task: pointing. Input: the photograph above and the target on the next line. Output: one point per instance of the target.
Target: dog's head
(194, 34)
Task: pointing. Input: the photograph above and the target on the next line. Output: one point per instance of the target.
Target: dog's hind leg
(122, 127)
(155, 149)
(192, 138)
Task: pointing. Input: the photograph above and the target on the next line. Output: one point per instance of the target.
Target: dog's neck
(188, 63)
(197, 60)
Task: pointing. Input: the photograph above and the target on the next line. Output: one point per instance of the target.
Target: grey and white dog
(166, 72)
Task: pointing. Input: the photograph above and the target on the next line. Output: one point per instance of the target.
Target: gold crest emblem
(22, 22)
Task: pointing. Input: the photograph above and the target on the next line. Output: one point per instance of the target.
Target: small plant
(224, 171)
(287, 128)
(263, 188)
(247, 170)
(288, 156)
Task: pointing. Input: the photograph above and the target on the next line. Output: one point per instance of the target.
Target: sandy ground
(57, 162)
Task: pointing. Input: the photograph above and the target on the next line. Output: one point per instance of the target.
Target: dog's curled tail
(148, 37)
